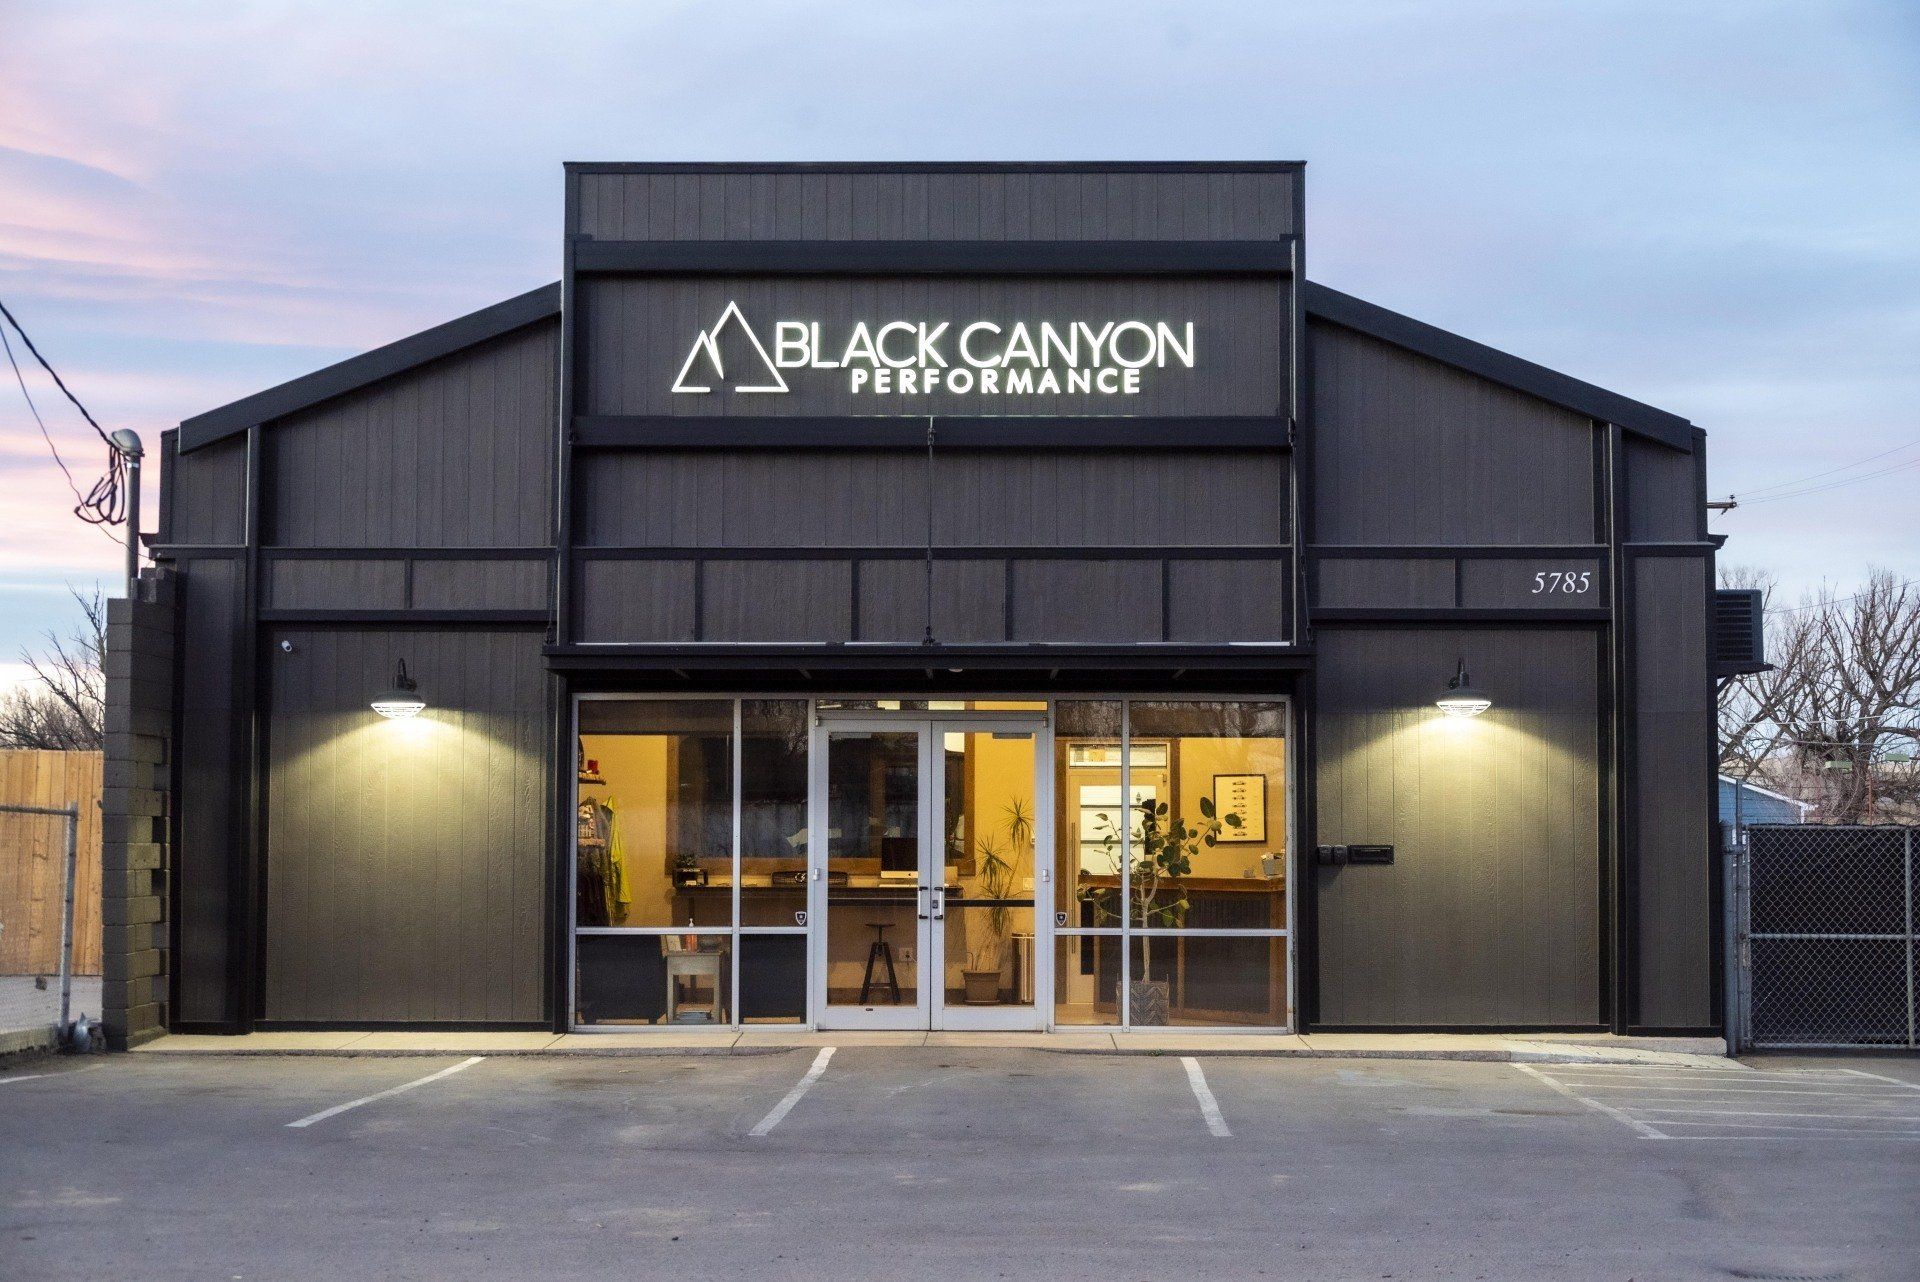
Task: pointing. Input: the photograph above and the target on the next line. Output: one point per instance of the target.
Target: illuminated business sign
(914, 357)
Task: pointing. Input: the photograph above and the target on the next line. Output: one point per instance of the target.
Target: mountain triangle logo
(704, 362)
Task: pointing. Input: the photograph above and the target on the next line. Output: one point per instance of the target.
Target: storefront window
(1086, 980)
(1206, 854)
(773, 812)
(1169, 856)
(655, 869)
(1088, 738)
(655, 814)
(1211, 851)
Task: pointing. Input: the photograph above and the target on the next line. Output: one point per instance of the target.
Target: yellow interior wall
(1200, 760)
(636, 768)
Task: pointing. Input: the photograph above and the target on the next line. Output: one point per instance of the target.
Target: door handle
(922, 890)
(939, 903)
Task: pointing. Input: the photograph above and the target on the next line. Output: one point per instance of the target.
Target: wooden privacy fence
(33, 858)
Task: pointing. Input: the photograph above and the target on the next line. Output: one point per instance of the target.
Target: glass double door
(930, 868)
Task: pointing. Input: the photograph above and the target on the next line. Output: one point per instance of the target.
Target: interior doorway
(931, 870)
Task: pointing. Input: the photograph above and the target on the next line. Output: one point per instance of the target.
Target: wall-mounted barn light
(404, 699)
(1460, 699)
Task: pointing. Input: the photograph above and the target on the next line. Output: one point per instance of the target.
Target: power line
(1815, 605)
(80, 499)
(106, 503)
(1834, 485)
(1781, 485)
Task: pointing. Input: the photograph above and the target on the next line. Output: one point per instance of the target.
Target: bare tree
(62, 704)
(1752, 729)
(1837, 721)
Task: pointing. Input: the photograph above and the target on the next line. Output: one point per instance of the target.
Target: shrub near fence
(33, 856)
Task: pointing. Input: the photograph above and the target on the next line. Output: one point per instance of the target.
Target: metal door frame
(930, 1011)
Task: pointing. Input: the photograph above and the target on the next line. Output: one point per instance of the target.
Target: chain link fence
(37, 869)
(1824, 936)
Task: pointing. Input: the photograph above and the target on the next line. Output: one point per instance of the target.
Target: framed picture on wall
(1246, 796)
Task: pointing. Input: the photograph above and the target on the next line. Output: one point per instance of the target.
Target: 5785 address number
(1568, 582)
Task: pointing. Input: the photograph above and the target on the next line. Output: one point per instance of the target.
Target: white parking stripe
(1209, 1106)
(1680, 1105)
(1882, 1077)
(24, 1077)
(1645, 1130)
(800, 1088)
(1748, 1090)
(338, 1109)
(1796, 1127)
(1746, 1112)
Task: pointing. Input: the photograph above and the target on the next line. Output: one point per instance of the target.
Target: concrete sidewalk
(1545, 1049)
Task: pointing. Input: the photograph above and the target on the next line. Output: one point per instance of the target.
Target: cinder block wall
(137, 770)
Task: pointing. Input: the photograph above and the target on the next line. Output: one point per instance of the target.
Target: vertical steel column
(1908, 851)
(72, 813)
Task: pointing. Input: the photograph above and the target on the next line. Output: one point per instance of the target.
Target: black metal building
(1071, 457)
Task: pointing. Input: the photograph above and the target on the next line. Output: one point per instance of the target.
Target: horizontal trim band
(934, 166)
(1464, 615)
(1465, 552)
(1048, 657)
(909, 432)
(512, 618)
(936, 257)
(913, 552)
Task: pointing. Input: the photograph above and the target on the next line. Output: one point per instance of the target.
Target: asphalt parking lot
(930, 1162)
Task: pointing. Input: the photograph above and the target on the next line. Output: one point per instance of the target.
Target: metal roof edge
(370, 367)
(1500, 367)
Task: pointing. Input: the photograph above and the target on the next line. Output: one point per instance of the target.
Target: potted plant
(1162, 851)
(996, 879)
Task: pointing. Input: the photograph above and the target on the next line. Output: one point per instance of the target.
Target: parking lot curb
(1490, 1054)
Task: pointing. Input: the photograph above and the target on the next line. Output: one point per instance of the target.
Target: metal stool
(880, 951)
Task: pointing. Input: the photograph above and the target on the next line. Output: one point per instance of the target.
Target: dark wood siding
(337, 585)
(406, 866)
(777, 601)
(1663, 502)
(969, 600)
(479, 585)
(1383, 583)
(636, 600)
(1111, 498)
(1011, 206)
(1489, 915)
(208, 503)
(457, 453)
(1086, 601)
(1238, 600)
(210, 757)
(774, 498)
(1671, 740)
(1410, 451)
(1025, 498)
(1131, 507)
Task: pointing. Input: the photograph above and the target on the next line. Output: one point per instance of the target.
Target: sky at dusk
(1711, 207)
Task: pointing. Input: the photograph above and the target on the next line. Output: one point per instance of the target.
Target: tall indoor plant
(996, 879)
(1161, 852)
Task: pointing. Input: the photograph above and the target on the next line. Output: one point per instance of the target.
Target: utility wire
(1782, 485)
(106, 503)
(1815, 605)
(1834, 485)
